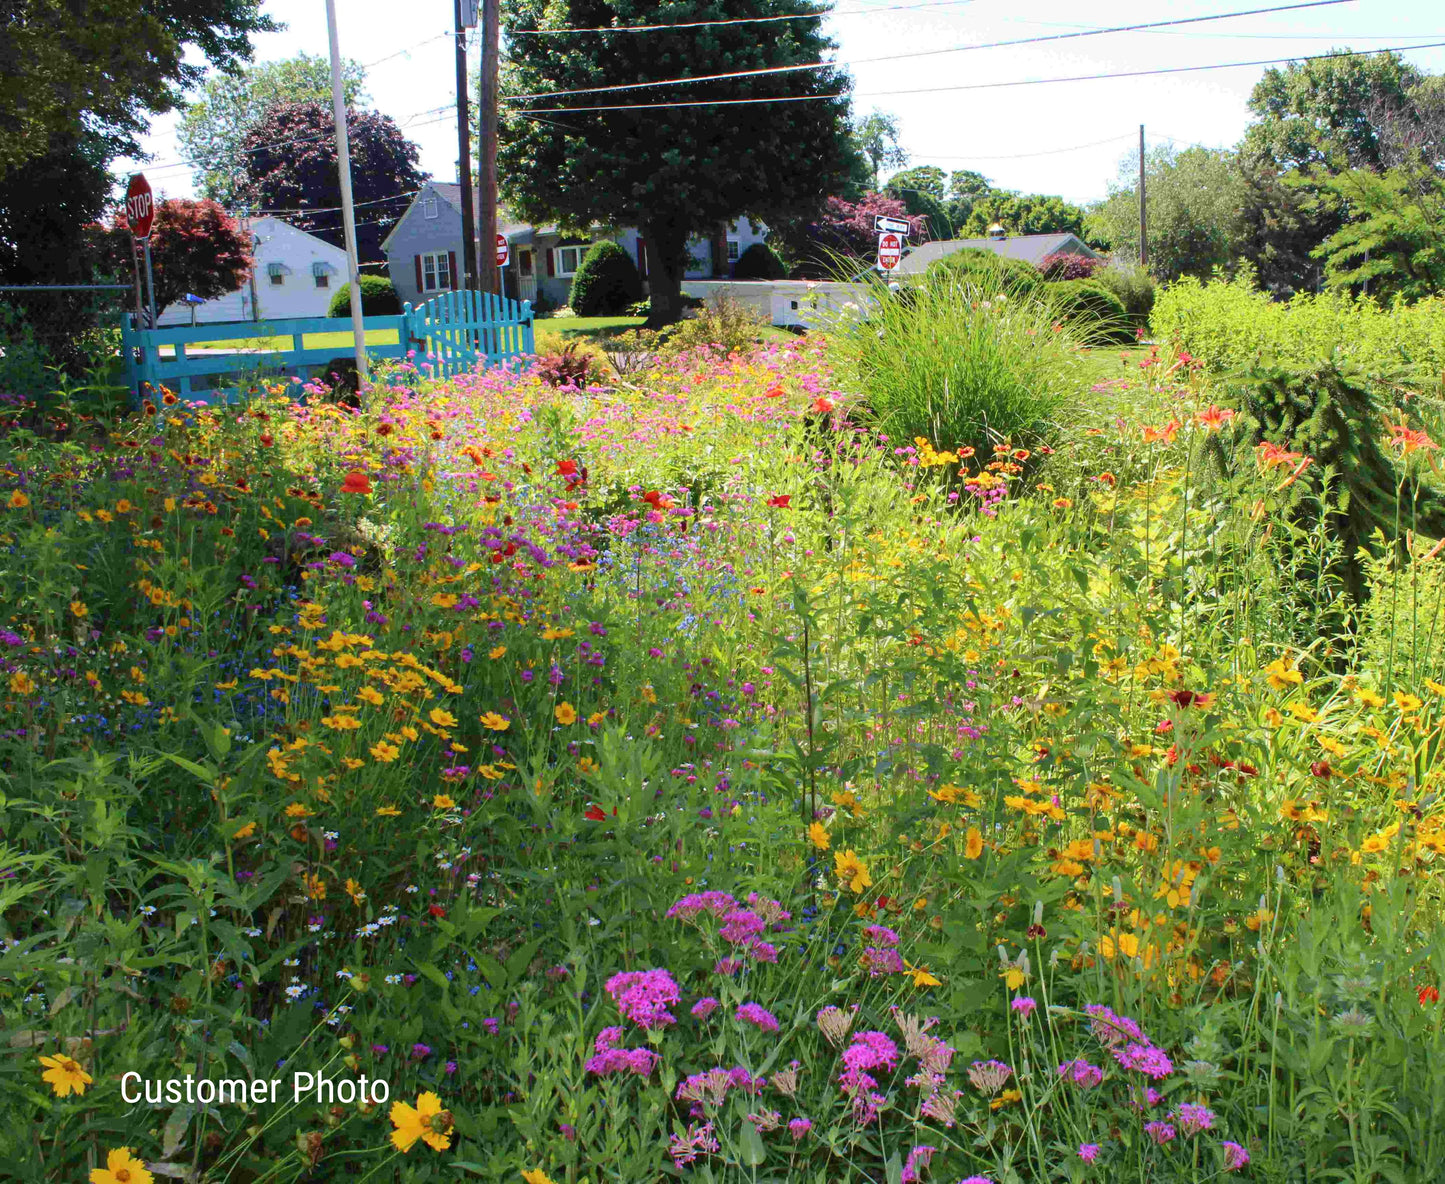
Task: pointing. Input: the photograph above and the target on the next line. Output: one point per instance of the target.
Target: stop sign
(140, 206)
(503, 251)
(890, 251)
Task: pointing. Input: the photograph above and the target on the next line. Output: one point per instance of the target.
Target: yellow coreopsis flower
(921, 976)
(851, 870)
(1281, 676)
(443, 801)
(973, 843)
(537, 1176)
(496, 652)
(495, 722)
(818, 836)
(121, 1167)
(426, 1121)
(442, 718)
(65, 1075)
(565, 714)
(387, 812)
(79, 609)
(245, 832)
(383, 752)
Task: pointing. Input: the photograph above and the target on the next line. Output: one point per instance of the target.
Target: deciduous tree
(196, 248)
(232, 104)
(672, 170)
(289, 163)
(108, 64)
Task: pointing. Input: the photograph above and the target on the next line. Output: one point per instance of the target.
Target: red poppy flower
(595, 813)
(1429, 995)
(1187, 699)
(356, 482)
(775, 392)
(782, 501)
(436, 910)
(822, 406)
(656, 500)
(566, 468)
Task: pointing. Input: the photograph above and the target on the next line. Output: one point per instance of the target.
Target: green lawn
(338, 341)
(554, 332)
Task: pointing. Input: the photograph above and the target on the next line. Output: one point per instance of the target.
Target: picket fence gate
(449, 334)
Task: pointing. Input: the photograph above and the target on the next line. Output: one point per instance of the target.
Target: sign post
(504, 250)
(890, 251)
(140, 213)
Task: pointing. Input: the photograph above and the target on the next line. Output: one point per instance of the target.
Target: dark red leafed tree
(196, 248)
(847, 227)
(289, 164)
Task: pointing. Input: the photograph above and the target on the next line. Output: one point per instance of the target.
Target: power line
(332, 209)
(875, 94)
(1025, 155)
(741, 20)
(925, 53)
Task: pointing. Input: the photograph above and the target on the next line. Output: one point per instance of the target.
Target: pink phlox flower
(741, 926)
(871, 1050)
(643, 996)
(638, 1061)
(1160, 1132)
(878, 962)
(798, 1127)
(695, 1142)
(1112, 1029)
(1081, 1073)
(1193, 1118)
(1088, 1152)
(1144, 1058)
(988, 1077)
(705, 1007)
(719, 904)
(608, 1038)
(1235, 1156)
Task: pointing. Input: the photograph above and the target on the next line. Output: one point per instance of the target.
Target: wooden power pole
(464, 157)
(1143, 216)
(490, 274)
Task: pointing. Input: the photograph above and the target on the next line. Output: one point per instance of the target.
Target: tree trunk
(666, 262)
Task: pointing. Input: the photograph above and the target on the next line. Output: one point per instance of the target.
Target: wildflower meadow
(772, 764)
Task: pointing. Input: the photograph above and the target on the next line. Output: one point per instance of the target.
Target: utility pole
(464, 150)
(348, 213)
(1143, 216)
(491, 49)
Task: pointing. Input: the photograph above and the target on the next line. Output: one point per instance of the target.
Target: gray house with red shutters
(424, 251)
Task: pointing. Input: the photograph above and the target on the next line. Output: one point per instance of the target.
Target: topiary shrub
(606, 282)
(378, 298)
(1096, 314)
(982, 269)
(1062, 265)
(759, 262)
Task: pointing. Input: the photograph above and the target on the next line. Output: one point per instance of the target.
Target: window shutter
(551, 261)
(452, 269)
(417, 260)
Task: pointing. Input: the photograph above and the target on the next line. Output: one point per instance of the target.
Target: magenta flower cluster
(643, 997)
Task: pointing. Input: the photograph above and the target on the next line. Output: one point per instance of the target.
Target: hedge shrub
(606, 282)
(1095, 313)
(1133, 285)
(759, 262)
(1230, 325)
(378, 298)
(1062, 265)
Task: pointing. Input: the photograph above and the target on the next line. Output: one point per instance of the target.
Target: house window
(733, 250)
(570, 258)
(277, 272)
(436, 274)
(429, 207)
(321, 273)
(524, 262)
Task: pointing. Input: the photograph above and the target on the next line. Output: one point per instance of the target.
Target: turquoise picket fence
(449, 334)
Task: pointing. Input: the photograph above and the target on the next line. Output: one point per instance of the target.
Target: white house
(295, 275)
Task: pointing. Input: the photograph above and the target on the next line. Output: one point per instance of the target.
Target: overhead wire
(739, 20)
(924, 53)
(982, 85)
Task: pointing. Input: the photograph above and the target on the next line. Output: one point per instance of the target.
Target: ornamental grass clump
(963, 365)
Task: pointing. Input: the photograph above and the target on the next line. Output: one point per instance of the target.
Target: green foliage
(1031, 213)
(1094, 312)
(106, 65)
(1193, 200)
(1330, 415)
(606, 282)
(378, 298)
(985, 270)
(1229, 325)
(924, 178)
(23, 364)
(231, 104)
(1133, 285)
(722, 324)
(760, 262)
(876, 139)
(679, 171)
(960, 360)
(1394, 241)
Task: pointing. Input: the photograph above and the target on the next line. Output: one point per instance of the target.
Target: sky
(1066, 138)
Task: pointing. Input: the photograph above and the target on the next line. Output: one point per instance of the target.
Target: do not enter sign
(504, 252)
(140, 206)
(890, 251)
